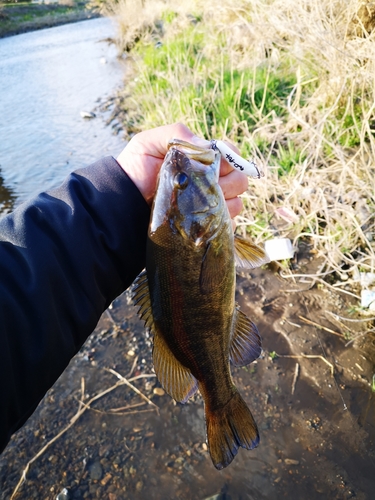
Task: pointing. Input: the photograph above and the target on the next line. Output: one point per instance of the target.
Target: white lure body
(247, 167)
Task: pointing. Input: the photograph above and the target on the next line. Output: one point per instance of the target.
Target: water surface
(47, 78)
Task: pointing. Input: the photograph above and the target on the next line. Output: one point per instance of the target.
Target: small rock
(290, 461)
(63, 495)
(149, 386)
(106, 478)
(87, 114)
(159, 391)
(96, 471)
(132, 471)
(139, 486)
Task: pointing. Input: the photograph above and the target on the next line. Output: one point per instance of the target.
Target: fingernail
(198, 141)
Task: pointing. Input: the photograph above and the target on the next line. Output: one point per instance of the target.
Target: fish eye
(181, 180)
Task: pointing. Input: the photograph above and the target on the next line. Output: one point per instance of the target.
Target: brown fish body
(187, 299)
(191, 322)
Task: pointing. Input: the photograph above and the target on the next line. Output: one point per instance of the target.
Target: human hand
(143, 156)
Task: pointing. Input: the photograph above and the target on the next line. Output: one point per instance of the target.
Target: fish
(186, 297)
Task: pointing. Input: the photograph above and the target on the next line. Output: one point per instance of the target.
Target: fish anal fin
(228, 429)
(246, 344)
(247, 254)
(175, 378)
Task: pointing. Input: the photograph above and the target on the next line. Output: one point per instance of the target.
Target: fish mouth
(205, 210)
(192, 151)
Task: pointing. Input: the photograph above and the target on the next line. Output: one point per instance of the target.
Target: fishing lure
(248, 167)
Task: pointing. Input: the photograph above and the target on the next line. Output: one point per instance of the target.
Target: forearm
(63, 258)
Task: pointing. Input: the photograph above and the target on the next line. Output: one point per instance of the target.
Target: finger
(235, 206)
(154, 142)
(233, 184)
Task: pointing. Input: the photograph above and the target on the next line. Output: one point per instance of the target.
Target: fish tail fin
(229, 428)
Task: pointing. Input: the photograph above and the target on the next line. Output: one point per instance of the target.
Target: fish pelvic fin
(248, 255)
(246, 344)
(176, 379)
(228, 429)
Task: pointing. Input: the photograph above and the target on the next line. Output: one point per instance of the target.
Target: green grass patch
(301, 105)
(179, 80)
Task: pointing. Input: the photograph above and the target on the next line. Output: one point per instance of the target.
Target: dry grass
(293, 83)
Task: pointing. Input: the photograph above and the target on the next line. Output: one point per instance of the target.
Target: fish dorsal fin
(173, 376)
(247, 254)
(211, 275)
(141, 298)
(177, 380)
(246, 344)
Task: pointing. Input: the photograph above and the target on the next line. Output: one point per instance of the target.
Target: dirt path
(317, 427)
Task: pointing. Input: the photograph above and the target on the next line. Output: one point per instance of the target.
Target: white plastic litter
(368, 299)
(367, 279)
(87, 114)
(279, 249)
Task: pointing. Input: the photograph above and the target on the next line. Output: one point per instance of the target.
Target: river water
(47, 78)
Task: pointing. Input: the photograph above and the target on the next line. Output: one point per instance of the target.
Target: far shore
(23, 17)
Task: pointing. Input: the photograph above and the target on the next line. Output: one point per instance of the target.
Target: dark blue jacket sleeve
(64, 257)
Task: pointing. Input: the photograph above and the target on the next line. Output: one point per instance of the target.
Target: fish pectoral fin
(246, 344)
(176, 379)
(141, 297)
(211, 269)
(247, 254)
(228, 428)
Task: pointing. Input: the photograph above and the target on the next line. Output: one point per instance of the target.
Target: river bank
(16, 18)
(93, 436)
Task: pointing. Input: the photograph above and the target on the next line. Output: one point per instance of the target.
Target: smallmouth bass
(186, 296)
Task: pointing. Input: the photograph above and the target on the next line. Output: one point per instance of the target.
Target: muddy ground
(317, 427)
